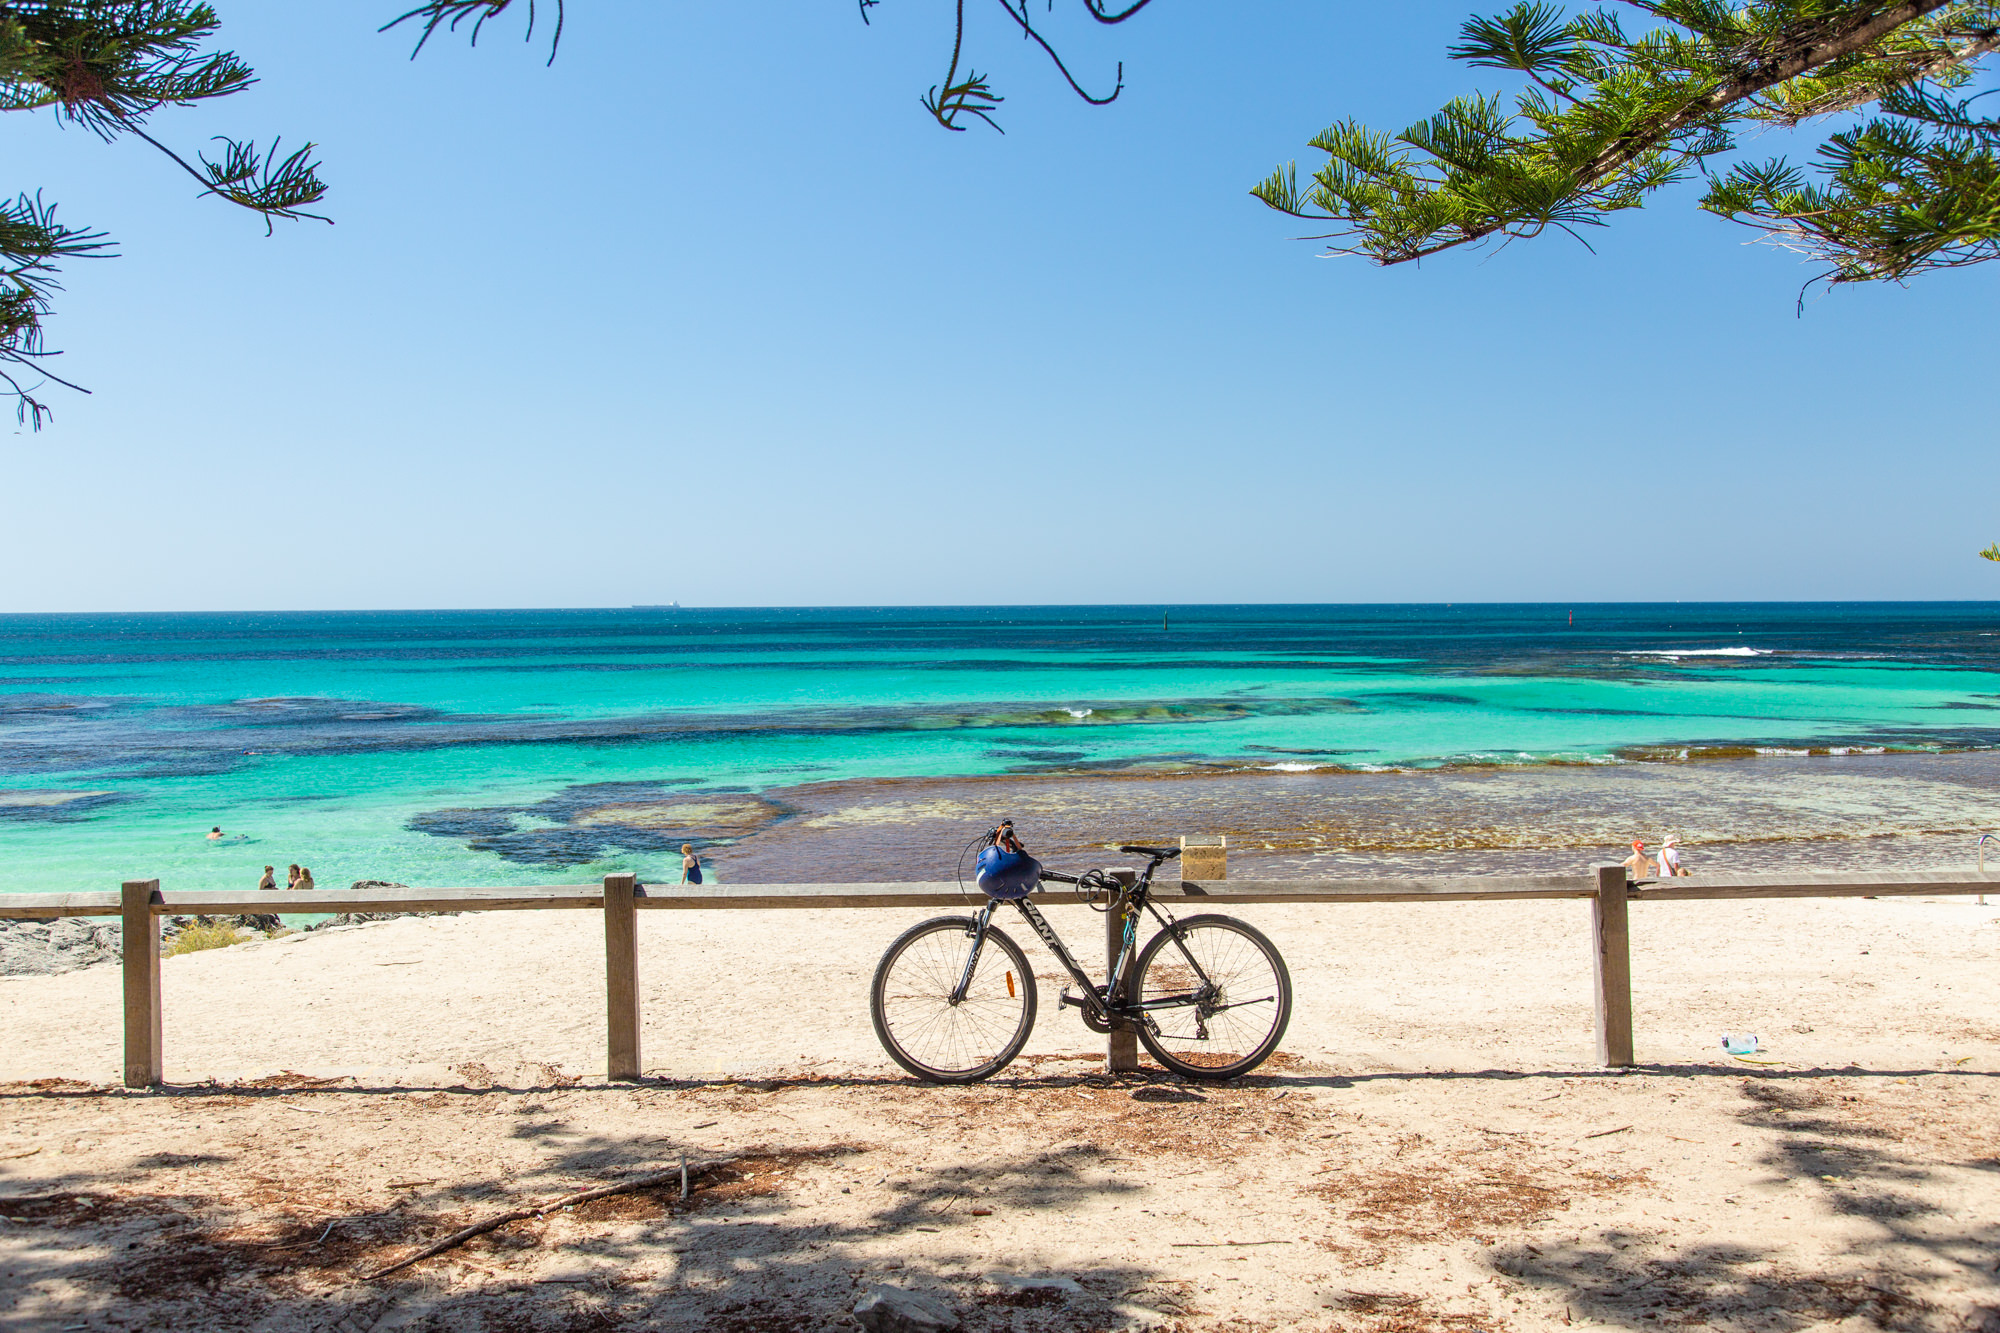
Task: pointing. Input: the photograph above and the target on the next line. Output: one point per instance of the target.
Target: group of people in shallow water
(296, 877)
(1667, 865)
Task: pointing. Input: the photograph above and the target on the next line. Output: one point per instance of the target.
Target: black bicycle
(954, 998)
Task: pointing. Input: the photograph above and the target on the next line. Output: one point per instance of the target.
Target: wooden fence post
(1121, 1050)
(140, 930)
(1204, 858)
(621, 975)
(1611, 943)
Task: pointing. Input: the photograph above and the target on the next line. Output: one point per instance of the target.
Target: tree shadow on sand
(1901, 1265)
(738, 1254)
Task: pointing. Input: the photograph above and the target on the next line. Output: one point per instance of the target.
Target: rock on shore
(47, 948)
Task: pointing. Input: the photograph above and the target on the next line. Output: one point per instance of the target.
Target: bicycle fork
(979, 927)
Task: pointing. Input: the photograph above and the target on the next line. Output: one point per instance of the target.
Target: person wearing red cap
(1637, 865)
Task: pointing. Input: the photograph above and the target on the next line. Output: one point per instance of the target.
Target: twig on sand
(287, 1106)
(306, 1244)
(498, 1220)
(1220, 1244)
(1607, 1133)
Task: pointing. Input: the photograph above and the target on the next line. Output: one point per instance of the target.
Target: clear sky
(711, 311)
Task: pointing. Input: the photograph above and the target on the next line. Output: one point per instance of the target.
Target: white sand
(1851, 1178)
(1825, 982)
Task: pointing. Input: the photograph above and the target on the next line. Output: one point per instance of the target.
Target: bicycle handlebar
(1157, 853)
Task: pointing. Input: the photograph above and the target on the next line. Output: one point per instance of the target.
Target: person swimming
(215, 834)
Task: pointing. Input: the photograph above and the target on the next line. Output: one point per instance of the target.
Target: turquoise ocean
(522, 747)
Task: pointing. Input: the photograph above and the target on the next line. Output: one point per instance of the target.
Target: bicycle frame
(1096, 1004)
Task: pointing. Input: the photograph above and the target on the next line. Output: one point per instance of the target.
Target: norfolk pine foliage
(108, 67)
(1906, 185)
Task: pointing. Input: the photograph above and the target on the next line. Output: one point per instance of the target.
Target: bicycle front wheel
(941, 1039)
(1218, 994)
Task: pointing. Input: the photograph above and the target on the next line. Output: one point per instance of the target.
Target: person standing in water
(690, 864)
(305, 880)
(1670, 860)
(1637, 865)
(292, 875)
(269, 881)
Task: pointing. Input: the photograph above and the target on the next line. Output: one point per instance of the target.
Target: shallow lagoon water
(554, 746)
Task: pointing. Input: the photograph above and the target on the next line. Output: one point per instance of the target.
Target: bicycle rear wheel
(1219, 994)
(920, 1026)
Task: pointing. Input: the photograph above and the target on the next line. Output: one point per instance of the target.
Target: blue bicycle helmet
(1006, 875)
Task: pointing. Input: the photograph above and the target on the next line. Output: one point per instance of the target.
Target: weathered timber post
(1204, 858)
(621, 976)
(140, 931)
(1121, 1048)
(1611, 944)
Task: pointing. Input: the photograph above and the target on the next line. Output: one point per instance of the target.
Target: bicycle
(954, 999)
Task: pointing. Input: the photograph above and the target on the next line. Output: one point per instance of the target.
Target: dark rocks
(363, 918)
(46, 948)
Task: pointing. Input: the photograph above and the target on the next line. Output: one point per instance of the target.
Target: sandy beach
(1433, 1148)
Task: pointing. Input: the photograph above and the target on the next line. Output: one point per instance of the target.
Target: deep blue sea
(509, 747)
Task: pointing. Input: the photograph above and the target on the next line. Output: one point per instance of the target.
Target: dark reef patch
(47, 734)
(57, 807)
(595, 820)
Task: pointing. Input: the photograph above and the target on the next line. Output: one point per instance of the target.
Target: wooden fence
(141, 904)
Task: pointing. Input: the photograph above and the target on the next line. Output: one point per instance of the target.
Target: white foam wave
(1696, 652)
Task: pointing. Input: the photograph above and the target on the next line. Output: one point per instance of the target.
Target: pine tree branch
(1608, 119)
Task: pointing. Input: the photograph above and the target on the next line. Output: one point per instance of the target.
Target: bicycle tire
(910, 1002)
(1253, 989)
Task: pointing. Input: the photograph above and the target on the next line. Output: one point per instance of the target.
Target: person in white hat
(1670, 859)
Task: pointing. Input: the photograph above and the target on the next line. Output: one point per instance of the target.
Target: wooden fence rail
(141, 903)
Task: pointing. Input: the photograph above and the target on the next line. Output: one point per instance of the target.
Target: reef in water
(594, 820)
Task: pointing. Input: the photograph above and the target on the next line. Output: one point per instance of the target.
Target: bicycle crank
(1092, 1008)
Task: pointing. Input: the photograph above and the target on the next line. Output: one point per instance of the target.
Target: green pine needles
(1606, 117)
(109, 66)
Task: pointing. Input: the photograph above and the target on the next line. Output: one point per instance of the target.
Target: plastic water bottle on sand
(1740, 1043)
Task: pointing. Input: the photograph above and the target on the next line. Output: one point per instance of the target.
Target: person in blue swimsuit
(690, 864)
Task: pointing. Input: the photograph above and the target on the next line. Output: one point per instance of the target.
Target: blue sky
(710, 311)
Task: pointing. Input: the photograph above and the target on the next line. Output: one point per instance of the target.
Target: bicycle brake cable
(977, 841)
